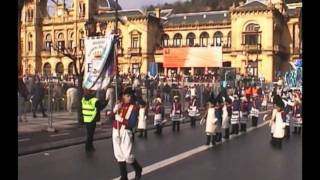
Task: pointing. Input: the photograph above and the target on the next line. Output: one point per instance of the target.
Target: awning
(192, 57)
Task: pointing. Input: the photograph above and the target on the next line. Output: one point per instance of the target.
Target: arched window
(70, 41)
(59, 69)
(229, 40)
(177, 40)
(204, 36)
(190, 39)
(135, 39)
(165, 40)
(70, 68)
(47, 69)
(48, 42)
(60, 42)
(82, 9)
(30, 43)
(251, 35)
(217, 38)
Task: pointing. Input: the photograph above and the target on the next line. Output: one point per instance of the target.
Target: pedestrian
(193, 110)
(218, 113)
(264, 104)
(142, 119)
(235, 114)
(91, 108)
(22, 100)
(175, 114)
(37, 95)
(288, 106)
(159, 115)
(244, 114)
(297, 119)
(166, 91)
(126, 115)
(211, 121)
(226, 116)
(255, 110)
(72, 94)
(277, 123)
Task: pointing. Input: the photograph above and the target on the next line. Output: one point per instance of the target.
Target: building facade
(259, 38)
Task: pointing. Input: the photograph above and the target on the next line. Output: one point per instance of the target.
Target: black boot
(123, 170)
(140, 133)
(173, 126)
(295, 130)
(145, 133)
(299, 130)
(213, 140)
(287, 133)
(244, 127)
(178, 126)
(218, 137)
(208, 140)
(236, 131)
(226, 133)
(138, 169)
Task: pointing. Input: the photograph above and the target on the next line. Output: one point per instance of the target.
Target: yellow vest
(89, 109)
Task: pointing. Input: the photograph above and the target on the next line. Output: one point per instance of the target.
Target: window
(47, 69)
(190, 39)
(251, 35)
(59, 69)
(204, 39)
(71, 42)
(135, 39)
(217, 38)
(48, 42)
(82, 9)
(60, 42)
(30, 43)
(165, 40)
(29, 15)
(70, 69)
(135, 68)
(177, 40)
(81, 41)
(229, 40)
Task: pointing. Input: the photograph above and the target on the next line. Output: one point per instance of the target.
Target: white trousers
(122, 145)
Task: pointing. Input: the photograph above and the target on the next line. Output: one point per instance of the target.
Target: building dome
(108, 4)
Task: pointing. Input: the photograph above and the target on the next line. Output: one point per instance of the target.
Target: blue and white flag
(99, 59)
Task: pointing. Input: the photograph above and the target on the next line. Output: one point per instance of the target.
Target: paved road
(251, 152)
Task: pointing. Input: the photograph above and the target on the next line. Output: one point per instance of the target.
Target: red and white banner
(192, 57)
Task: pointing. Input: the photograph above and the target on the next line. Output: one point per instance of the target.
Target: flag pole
(116, 59)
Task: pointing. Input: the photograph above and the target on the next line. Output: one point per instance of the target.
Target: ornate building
(256, 37)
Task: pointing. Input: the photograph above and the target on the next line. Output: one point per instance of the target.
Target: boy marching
(176, 114)
(235, 117)
(193, 110)
(244, 113)
(210, 120)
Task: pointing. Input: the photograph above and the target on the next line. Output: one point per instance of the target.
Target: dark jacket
(37, 92)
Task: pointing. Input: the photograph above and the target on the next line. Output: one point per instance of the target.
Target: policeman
(91, 108)
(126, 116)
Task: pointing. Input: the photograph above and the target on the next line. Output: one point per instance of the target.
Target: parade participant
(22, 99)
(288, 105)
(142, 119)
(264, 103)
(126, 114)
(176, 114)
(37, 95)
(297, 119)
(244, 113)
(226, 116)
(255, 110)
(218, 110)
(235, 115)
(91, 108)
(277, 123)
(193, 110)
(210, 120)
(159, 115)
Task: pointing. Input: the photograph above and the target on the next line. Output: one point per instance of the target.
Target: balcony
(252, 48)
(159, 50)
(120, 51)
(278, 48)
(45, 53)
(226, 49)
(134, 50)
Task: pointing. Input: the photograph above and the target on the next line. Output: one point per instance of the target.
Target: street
(249, 156)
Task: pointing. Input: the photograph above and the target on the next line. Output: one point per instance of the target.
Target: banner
(192, 57)
(153, 69)
(99, 59)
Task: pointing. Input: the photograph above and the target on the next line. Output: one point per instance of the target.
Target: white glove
(116, 108)
(119, 118)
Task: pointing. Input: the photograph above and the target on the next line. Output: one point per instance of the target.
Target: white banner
(99, 59)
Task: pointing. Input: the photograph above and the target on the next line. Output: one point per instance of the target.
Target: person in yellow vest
(91, 108)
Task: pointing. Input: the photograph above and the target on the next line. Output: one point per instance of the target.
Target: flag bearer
(91, 108)
(211, 121)
(126, 114)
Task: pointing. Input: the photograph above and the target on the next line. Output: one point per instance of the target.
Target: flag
(99, 60)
